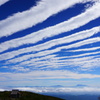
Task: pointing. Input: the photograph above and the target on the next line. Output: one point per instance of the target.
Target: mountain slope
(26, 96)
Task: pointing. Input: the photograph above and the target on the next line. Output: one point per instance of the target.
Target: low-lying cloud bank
(67, 90)
(72, 90)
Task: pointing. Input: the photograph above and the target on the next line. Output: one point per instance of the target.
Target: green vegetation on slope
(26, 96)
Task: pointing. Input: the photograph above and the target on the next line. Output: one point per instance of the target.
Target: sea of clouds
(68, 90)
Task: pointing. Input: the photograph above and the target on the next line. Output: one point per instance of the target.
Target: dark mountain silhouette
(6, 95)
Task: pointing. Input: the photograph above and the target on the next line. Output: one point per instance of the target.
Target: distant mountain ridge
(57, 86)
(81, 85)
(78, 85)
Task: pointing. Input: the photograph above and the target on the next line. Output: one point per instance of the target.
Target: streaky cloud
(3, 2)
(86, 49)
(73, 23)
(67, 39)
(48, 52)
(33, 16)
(58, 74)
(84, 63)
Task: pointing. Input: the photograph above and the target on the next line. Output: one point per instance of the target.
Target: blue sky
(49, 42)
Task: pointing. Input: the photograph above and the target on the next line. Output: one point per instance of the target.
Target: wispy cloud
(87, 49)
(20, 69)
(48, 52)
(74, 37)
(75, 22)
(58, 74)
(84, 63)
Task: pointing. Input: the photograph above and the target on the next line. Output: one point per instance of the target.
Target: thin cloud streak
(51, 61)
(87, 49)
(74, 37)
(68, 39)
(48, 52)
(73, 23)
(86, 54)
(33, 16)
(58, 74)
(33, 57)
(76, 64)
(54, 62)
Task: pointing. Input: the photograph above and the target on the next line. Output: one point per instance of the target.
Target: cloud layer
(69, 49)
(31, 17)
(72, 91)
(75, 22)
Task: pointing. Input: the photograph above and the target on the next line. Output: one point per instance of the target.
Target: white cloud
(86, 54)
(88, 64)
(38, 60)
(57, 74)
(77, 36)
(75, 22)
(4, 67)
(84, 42)
(48, 52)
(39, 77)
(91, 64)
(33, 16)
(47, 57)
(68, 90)
(20, 69)
(3, 2)
(2, 89)
(87, 49)
(68, 39)
(34, 60)
(51, 61)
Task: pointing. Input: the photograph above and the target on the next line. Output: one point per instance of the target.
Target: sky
(49, 42)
